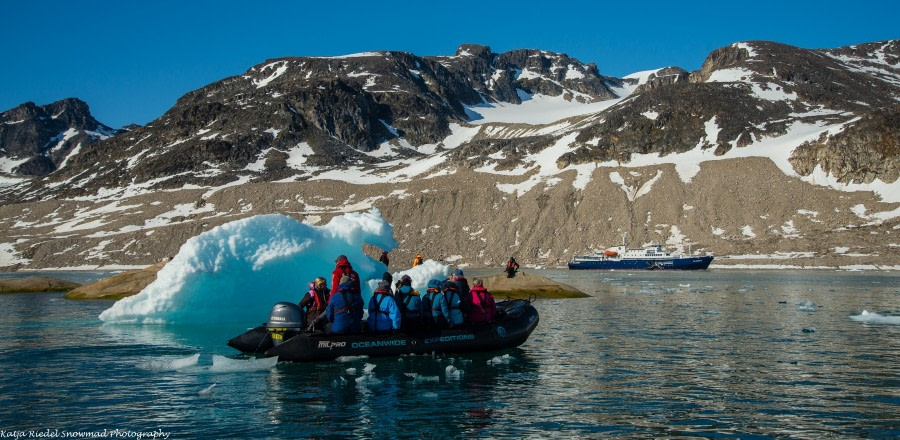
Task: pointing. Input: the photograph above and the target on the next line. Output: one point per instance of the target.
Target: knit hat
(340, 258)
(387, 277)
(458, 272)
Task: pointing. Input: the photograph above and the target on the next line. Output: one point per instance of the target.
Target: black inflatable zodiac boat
(283, 336)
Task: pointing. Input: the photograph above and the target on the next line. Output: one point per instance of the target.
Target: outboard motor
(285, 321)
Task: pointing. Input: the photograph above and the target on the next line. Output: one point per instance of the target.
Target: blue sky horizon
(131, 61)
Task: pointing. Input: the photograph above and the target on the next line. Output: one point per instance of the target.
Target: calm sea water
(651, 354)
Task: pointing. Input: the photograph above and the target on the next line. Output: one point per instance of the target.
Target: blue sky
(131, 60)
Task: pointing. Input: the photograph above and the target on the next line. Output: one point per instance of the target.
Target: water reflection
(649, 355)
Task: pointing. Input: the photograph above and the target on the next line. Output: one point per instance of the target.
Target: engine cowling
(285, 320)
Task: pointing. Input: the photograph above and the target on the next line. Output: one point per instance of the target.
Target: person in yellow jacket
(418, 260)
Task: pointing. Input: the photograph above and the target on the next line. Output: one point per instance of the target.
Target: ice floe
(876, 318)
(222, 364)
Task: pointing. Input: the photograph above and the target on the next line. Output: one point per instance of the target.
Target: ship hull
(689, 263)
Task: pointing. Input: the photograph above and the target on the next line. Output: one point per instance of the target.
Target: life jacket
(317, 299)
(377, 309)
(428, 300)
(351, 274)
(448, 295)
(346, 308)
(407, 312)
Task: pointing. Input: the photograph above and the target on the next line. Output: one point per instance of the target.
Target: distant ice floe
(235, 272)
(806, 306)
(222, 364)
(875, 318)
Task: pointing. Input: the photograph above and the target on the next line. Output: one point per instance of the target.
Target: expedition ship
(646, 258)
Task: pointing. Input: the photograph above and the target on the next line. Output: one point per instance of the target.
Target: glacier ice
(233, 273)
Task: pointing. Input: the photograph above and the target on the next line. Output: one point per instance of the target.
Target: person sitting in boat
(345, 308)
(511, 267)
(484, 309)
(388, 278)
(462, 286)
(315, 300)
(384, 315)
(453, 311)
(405, 280)
(434, 288)
(418, 260)
(411, 305)
(342, 267)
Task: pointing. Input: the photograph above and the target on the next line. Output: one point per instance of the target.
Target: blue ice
(235, 272)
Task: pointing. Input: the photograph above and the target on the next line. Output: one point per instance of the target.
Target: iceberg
(233, 273)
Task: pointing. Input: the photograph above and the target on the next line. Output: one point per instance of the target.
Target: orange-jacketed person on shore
(418, 260)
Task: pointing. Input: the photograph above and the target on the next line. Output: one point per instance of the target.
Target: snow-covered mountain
(769, 152)
(38, 140)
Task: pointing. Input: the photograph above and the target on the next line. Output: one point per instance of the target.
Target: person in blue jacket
(453, 311)
(434, 288)
(384, 315)
(345, 308)
(411, 305)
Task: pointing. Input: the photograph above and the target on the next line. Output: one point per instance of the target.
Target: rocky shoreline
(36, 284)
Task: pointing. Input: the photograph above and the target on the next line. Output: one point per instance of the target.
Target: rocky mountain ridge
(768, 150)
(38, 140)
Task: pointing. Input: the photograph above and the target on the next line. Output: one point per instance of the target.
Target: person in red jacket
(342, 267)
(483, 308)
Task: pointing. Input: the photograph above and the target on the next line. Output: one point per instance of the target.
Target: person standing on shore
(384, 258)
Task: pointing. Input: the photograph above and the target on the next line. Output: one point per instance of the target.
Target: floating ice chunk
(170, 364)
(876, 318)
(453, 372)
(316, 407)
(367, 368)
(351, 371)
(367, 380)
(711, 312)
(806, 306)
(351, 358)
(501, 360)
(224, 364)
(207, 391)
(429, 395)
(418, 378)
(684, 285)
